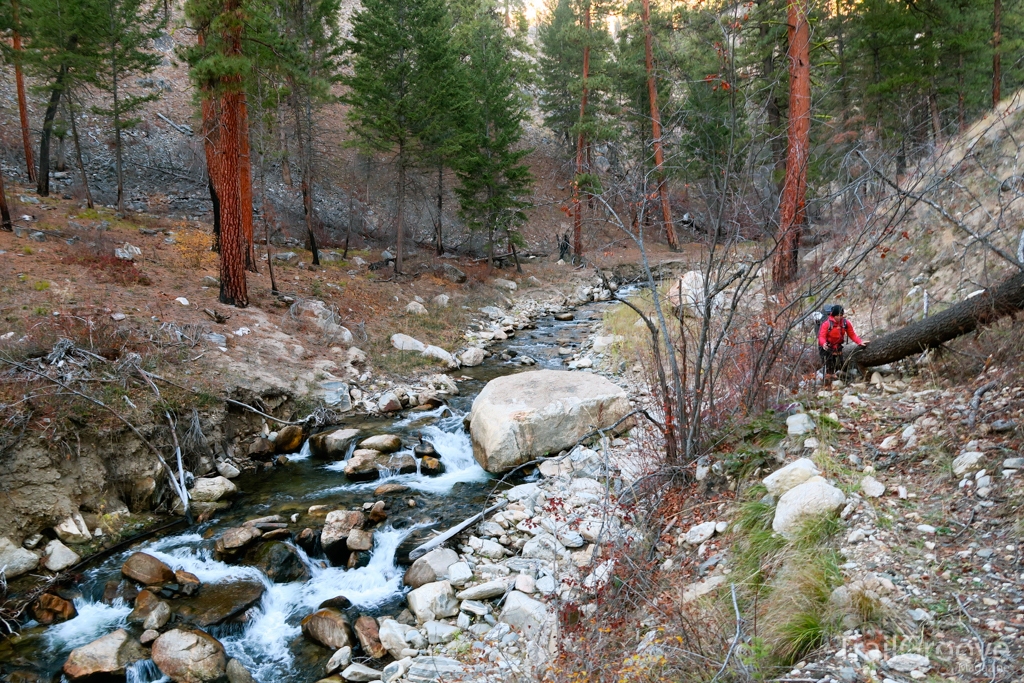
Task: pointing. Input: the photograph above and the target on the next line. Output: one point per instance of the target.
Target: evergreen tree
(494, 179)
(130, 27)
(397, 60)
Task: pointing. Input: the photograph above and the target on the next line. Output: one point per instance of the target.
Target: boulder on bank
(15, 559)
(519, 417)
(105, 657)
(189, 656)
(366, 464)
(334, 444)
(288, 439)
(813, 498)
(211, 489)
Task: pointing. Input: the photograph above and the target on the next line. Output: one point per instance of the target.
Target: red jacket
(833, 333)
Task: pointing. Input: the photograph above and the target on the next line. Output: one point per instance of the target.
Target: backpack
(821, 316)
(842, 339)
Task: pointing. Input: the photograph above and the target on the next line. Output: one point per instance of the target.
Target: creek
(267, 639)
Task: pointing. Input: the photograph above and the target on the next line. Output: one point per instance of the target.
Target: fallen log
(440, 539)
(994, 303)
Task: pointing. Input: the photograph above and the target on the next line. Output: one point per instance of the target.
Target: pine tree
(130, 27)
(218, 69)
(5, 213)
(392, 56)
(10, 22)
(494, 180)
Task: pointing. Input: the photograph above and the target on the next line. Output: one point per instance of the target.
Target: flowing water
(268, 641)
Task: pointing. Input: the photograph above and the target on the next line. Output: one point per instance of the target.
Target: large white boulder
(433, 601)
(404, 342)
(801, 503)
(58, 557)
(519, 417)
(15, 560)
(103, 658)
(687, 294)
(793, 474)
(210, 489)
(524, 613)
(392, 637)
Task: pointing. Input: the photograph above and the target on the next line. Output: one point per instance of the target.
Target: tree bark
(438, 228)
(119, 167)
(19, 79)
(5, 213)
(245, 183)
(794, 191)
(78, 152)
(400, 228)
(997, 31)
(577, 226)
(224, 174)
(996, 302)
(43, 179)
(304, 138)
(659, 156)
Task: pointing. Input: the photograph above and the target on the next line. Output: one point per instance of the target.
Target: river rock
(188, 583)
(73, 530)
(524, 613)
(472, 357)
(261, 449)
(389, 402)
(288, 440)
(439, 354)
(485, 591)
(366, 464)
(435, 668)
(359, 539)
(431, 567)
(145, 602)
(359, 673)
(189, 656)
(15, 559)
(212, 489)
(51, 609)
(58, 557)
(228, 469)
(237, 673)
(392, 636)
(279, 561)
(105, 657)
(329, 627)
(810, 499)
(334, 444)
(338, 526)
(219, 602)
(377, 513)
(433, 601)
(431, 467)
(906, 663)
(545, 547)
(385, 443)
(404, 342)
(369, 636)
(147, 570)
(387, 489)
(519, 417)
(158, 617)
(793, 474)
(340, 659)
(235, 539)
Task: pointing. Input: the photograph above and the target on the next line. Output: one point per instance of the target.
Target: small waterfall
(95, 619)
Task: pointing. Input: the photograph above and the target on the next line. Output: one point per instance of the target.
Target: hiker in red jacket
(832, 335)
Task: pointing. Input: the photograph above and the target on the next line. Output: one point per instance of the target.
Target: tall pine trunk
(224, 174)
(438, 227)
(400, 227)
(5, 213)
(19, 79)
(305, 143)
(245, 183)
(997, 31)
(794, 191)
(118, 162)
(78, 151)
(43, 179)
(577, 226)
(659, 156)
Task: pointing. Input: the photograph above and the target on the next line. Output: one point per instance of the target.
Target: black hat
(837, 310)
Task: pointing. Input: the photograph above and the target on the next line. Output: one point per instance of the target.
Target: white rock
(58, 557)
(811, 443)
(889, 443)
(360, 673)
(909, 662)
(856, 536)
(404, 342)
(416, 308)
(547, 585)
(687, 293)
(799, 424)
(73, 530)
(524, 613)
(696, 590)
(700, 533)
(485, 591)
(439, 632)
(544, 546)
(392, 636)
(721, 527)
(435, 668)
(505, 284)
(519, 417)
(871, 487)
(340, 659)
(491, 549)
(210, 489)
(966, 461)
(810, 499)
(433, 601)
(441, 300)
(472, 357)
(525, 584)
(851, 400)
(227, 469)
(15, 560)
(926, 528)
(599, 577)
(437, 353)
(459, 574)
(793, 474)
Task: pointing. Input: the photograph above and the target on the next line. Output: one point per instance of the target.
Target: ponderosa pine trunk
(996, 302)
(577, 225)
(224, 168)
(794, 190)
(5, 213)
(245, 184)
(78, 151)
(400, 227)
(43, 179)
(19, 80)
(659, 155)
(305, 143)
(438, 227)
